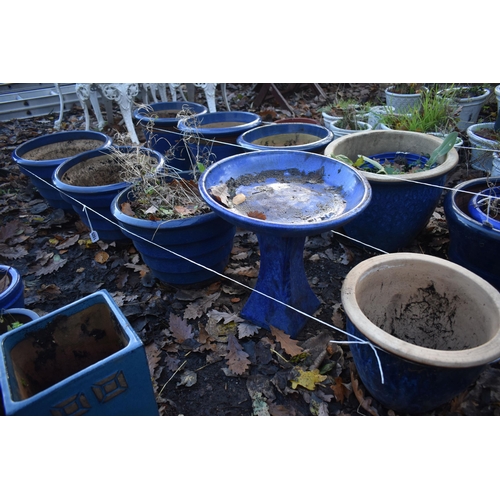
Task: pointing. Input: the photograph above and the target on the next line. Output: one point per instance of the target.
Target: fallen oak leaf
(127, 209)
(69, 242)
(221, 194)
(56, 264)
(236, 357)
(180, 328)
(289, 345)
(101, 257)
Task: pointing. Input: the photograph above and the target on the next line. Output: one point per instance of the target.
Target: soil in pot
(488, 133)
(62, 149)
(98, 171)
(427, 320)
(283, 140)
(222, 124)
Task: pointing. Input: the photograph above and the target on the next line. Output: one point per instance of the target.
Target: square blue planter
(82, 359)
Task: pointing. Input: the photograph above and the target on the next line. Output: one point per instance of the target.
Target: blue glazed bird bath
(289, 136)
(97, 197)
(159, 124)
(40, 170)
(289, 195)
(81, 359)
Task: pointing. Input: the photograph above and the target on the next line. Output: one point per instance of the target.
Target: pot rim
(476, 356)
(43, 140)
(464, 100)
(450, 162)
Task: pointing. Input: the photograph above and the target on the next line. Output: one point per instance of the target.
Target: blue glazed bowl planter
(39, 157)
(212, 136)
(82, 359)
(98, 197)
(297, 194)
(473, 245)
(434, 325)
(400, 208)
(159, 124)
(484, 207)
(289, 136)
(206, 240)
(13, 294)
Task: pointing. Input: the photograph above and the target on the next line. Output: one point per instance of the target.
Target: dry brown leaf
(153, 353)
(366, 403)
(69, 242)
(127, 209)
(8, 230)
(180, 328)
(248, 271)
(289, 345)
(221, 194)
(101, 257)
(340, 390)
(256, 215)
(236, 357)
(10, 252)
(51, 266)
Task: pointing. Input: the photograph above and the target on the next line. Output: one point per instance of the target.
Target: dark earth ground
(188, 333)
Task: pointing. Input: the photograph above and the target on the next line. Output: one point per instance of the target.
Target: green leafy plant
(434, 115)
(400, 165)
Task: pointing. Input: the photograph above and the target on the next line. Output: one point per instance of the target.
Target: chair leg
(57, 123)
(224, 95)
(83, 93)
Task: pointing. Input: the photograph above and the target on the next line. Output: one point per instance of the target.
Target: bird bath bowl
(283, 197)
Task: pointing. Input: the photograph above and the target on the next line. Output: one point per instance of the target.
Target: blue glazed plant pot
(38, 159)
(8, 317)
(400, 208)
(473, 245)
(289, 195)
(433, 324)
(82, 359)
(13, 294)
(478, 207)
(181, 251)
(212, 136)
(289, 136)
(159, 124)
(94, 195)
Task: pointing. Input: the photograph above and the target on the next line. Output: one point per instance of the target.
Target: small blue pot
(478, 207)
(473, 245)
(82, 359)
(412, 159)
(433, 324)
(13, 296)
(204, 239)
(98, 198)
(19, 314)
(283, 136)
(165, 136)
(215, 134)
(40, 171)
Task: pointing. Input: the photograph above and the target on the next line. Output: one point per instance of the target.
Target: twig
(173, 375)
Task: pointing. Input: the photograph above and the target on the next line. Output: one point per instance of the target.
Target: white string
(356, 340)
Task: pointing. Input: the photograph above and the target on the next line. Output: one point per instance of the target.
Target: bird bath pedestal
(283, 196)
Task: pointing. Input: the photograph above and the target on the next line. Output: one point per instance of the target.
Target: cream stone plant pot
(399, 208)
(433, 324)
